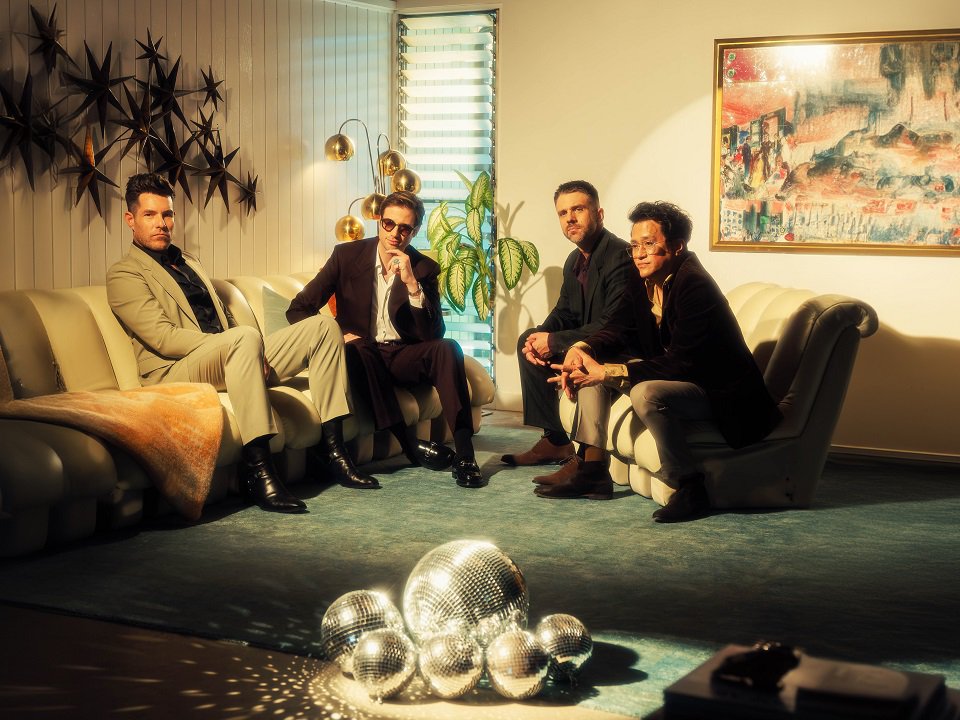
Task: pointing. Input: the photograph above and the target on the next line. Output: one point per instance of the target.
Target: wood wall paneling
(292, 71)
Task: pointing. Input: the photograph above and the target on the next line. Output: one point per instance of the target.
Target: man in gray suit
(182, 332)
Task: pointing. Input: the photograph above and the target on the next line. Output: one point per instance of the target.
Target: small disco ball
(466, 585)
(517, 664)
(568, 643)
(384, 661)
(451, 663)
(349, 617)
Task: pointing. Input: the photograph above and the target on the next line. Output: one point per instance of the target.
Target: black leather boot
(260, 484)
(339, 461)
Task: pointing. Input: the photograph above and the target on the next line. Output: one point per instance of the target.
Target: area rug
(869, 574)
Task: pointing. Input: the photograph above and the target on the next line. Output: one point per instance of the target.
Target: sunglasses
(403, 229)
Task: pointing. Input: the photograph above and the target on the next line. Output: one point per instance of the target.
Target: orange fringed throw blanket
(173, 430)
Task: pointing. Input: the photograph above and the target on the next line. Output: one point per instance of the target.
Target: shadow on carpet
(868, 574)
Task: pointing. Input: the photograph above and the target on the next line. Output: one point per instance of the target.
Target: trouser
(664, 406)
(233, 361)
(541, 402)
(592, 415)
(377, 368)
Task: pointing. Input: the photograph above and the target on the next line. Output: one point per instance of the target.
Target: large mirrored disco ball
(517, 664)
(568, 643)
(384, 661)
(451, 663)
(349, 617)
(467, 585)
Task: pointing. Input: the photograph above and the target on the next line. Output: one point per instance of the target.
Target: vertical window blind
(446, 123)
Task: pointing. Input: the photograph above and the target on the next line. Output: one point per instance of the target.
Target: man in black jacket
(596, 276)
(388, 307)
(702, 371)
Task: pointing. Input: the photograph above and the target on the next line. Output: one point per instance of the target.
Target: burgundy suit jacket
(349, 274)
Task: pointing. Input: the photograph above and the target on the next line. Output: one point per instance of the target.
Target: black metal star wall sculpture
(19, 121)
(163, 89)
(248, 193)
(49, 36)
(48, 132)
(139, 122)
(174, 164)
(99, 88)
(217, 172)
(90, 176)
(205, 132)
(211, 88)
(151, 50)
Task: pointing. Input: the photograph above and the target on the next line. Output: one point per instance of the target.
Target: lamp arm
(377, 185)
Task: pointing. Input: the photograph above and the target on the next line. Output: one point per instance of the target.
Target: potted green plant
(467, 258)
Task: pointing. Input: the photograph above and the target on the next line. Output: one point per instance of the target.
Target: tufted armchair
(806, 345)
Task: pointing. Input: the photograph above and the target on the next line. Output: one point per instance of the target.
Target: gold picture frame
(837, 143)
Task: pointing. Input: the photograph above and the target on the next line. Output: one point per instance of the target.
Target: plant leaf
(447, 248)
(479, 192)
(511, 261)
(465, 181)
(531, 256)
(437, 224)
(457, 284)
(475, 225)
(481, 299)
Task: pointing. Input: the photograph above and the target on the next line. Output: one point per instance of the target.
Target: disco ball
(384, 661)
(466, 585)
(451, 663)
(568, 643)
(517, 664)
(349, 617)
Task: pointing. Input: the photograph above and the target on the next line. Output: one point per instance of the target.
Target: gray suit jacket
(154, 311)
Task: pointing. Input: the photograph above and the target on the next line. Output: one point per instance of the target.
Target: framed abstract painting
(837, 143)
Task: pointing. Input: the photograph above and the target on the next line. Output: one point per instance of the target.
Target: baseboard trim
(850, 451)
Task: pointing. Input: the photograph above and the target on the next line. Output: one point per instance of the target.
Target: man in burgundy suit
(388, 307)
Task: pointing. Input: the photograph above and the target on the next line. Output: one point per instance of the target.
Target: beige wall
(292, 71)
(619, 92)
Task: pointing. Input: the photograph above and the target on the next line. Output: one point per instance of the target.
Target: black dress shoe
(431, 455)
(260, 484)
(689, 502)
(467, 473)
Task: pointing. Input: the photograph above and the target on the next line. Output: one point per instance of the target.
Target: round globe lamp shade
(349, 227)
(370, 207)
(391, 161)
(339, 147)
(406, 179)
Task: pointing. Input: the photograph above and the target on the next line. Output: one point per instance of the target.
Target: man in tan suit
(181, 331)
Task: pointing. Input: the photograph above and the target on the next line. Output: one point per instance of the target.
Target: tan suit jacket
(166, 335)
(155, 312)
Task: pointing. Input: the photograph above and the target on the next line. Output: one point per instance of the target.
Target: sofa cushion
(26, 347)
(274, 311)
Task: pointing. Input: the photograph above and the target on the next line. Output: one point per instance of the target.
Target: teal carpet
(870, 574)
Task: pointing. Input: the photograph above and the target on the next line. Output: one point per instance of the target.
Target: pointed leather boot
(339, 462)
(260, 484)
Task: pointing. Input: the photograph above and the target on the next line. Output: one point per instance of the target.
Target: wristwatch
(418, 293)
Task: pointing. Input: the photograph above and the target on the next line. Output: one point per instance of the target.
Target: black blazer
(576, 317)
(701, 342)
(349, 274)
